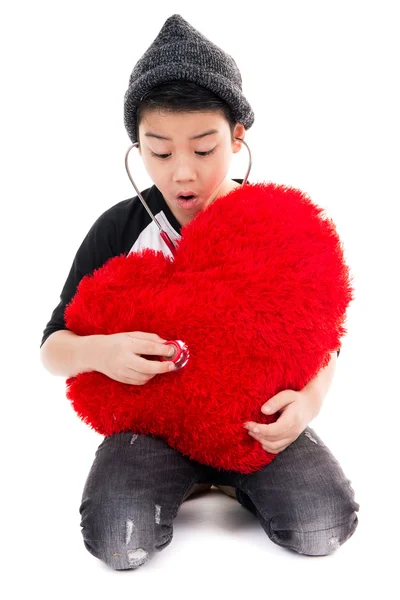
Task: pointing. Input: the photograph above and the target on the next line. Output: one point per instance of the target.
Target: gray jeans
(137, 483)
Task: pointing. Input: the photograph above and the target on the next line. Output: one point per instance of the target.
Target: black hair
(184, 96)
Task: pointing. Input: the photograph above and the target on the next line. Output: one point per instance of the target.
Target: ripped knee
(128, 544)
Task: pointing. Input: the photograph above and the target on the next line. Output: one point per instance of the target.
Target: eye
(164, 156)
(159, 155)
(206, 153)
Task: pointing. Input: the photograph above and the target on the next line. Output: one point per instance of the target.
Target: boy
(185, 107)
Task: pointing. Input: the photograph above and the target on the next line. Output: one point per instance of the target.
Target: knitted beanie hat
(180, 52)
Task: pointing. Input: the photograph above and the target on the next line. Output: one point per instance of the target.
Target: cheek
(222, 161)
(155, 170)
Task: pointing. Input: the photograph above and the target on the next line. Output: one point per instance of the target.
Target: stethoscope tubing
(165, 237)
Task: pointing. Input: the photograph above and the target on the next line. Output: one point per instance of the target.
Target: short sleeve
(96, 248)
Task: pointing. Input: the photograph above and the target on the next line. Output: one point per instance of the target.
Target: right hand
(118, 356)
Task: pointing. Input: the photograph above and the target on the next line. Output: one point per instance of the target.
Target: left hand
(296, 411)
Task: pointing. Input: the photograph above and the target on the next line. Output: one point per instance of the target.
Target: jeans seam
(314, 530)
(269, 520)
(184, 493)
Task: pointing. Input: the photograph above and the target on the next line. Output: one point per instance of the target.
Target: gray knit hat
(181, 52)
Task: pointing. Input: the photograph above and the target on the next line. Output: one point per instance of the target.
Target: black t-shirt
(125, 227)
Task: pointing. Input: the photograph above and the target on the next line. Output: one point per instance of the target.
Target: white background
(323, 80)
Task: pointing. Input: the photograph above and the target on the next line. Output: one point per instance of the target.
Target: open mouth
(187, 201)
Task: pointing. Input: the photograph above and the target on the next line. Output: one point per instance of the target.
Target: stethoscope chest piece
(181, 355)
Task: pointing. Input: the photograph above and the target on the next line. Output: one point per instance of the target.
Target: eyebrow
(195, 137)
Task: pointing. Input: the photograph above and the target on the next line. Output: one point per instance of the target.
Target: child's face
(184, 169)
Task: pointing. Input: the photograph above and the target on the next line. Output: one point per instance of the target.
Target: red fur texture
(258, 290)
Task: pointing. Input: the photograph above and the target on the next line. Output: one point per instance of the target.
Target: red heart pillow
(258, 291)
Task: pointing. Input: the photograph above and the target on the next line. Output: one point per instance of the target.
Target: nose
(184, 170)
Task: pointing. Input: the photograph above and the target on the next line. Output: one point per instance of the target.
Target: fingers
(136, 378)
(142, 366)
(151, 367)
(146, 369)
(152, 348)
(271, 446)
(143, 335)
(272, 431)
(257, 429)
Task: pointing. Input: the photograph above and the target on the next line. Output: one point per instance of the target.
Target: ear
(239, 132)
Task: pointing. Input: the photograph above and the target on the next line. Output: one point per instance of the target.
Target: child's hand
(119, 356)
(295, 414)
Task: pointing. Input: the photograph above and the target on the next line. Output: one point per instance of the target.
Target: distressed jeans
(137, 483)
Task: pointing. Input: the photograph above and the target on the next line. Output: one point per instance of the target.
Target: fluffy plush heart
(258, 290)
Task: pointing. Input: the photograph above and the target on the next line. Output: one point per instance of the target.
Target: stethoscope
(182, 354)
(164, 235)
